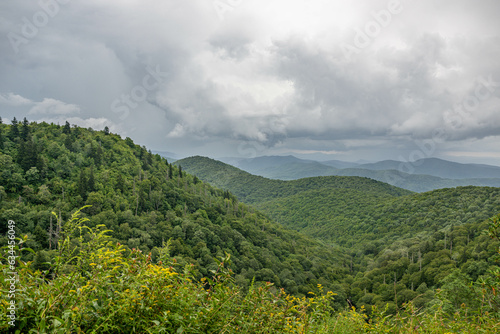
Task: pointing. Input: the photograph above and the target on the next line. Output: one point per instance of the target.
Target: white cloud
(14, 100)
(53, 107)
(177, 132)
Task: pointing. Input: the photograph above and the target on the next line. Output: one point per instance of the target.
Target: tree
(156, 198)
(180, 171)
(41, 236)
(82, 184)
(14, 130)
(170, 171)
(43, 195)
(32, 175)
(120, 183)
(25, 130)
(106, 130)
(41, 260)
(68, 143)
(67, 128)
(1, 134)
(28, 155)
(96, 153)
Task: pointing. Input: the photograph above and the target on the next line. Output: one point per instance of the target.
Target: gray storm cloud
(275, 73)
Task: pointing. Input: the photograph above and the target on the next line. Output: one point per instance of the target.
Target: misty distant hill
(340, 164)
(438, 167)
(426, 174)
(282, 167)
(170, 156)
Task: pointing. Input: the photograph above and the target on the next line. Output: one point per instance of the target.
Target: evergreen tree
(180, 171)
(96, 154)
(106, 130)
(25, 130)
(67, 128)
(21, 153)
(28, 154)
(14, 130)
(1, 134)
(170, 171)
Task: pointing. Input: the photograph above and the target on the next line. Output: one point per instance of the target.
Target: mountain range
(419, 176)
(416, 238)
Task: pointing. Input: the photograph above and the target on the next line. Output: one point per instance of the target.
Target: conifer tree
(96, 154)
(14, 130)
(25, 130)
(67, 128)
(1, 134)
(30, 155)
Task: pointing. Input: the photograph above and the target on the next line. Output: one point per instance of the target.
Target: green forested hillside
(414, 241)
(146, 201)
(256, 189)
(358, 218)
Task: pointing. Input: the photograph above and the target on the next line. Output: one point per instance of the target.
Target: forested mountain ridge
(418, 239)
(146, 201)
(256, 189)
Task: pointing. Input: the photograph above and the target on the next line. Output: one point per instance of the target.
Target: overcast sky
(348, 80)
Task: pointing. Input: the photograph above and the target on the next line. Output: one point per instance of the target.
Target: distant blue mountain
(420, 176)
(437, 167)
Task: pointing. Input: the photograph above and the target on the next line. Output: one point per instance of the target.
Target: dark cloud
(264, 77)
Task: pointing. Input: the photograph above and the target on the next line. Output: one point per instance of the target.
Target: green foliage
(145, 201)
(110, 289)
(397, 242)
(256, 189)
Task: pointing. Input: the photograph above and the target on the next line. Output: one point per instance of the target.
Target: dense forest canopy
(390, 234)
(374, 245)
(146, 201)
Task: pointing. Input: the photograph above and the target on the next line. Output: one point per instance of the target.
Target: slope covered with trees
(400, 247)
(98, 286)
(146, 201)
(256, 189)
